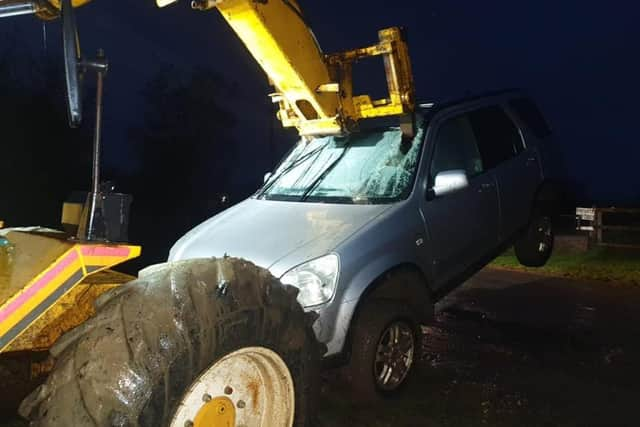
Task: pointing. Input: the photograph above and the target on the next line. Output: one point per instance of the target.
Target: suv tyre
(534, 247)
(385, 348)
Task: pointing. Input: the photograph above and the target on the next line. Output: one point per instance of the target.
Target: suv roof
(521, 104)
(434, 107)
(531, 116)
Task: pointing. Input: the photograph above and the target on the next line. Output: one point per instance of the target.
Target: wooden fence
(612, 227)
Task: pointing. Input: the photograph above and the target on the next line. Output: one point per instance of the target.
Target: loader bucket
(48, 286)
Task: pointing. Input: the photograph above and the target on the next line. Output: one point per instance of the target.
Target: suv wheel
(385, 348)
(534, 247)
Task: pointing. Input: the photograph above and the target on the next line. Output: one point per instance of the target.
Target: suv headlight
(316, 279)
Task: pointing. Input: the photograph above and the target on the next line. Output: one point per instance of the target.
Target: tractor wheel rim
(394, 356)
(249, 387)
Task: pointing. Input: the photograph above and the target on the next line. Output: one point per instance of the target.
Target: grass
(606, 264)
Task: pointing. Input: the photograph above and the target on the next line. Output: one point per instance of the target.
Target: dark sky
(579, 60)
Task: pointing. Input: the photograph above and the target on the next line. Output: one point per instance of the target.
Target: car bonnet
(265, 232)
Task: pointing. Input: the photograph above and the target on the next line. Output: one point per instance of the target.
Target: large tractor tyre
(385, 347)
(194, 343)
(534, 247)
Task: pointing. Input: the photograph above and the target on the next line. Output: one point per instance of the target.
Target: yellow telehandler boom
(314, 90)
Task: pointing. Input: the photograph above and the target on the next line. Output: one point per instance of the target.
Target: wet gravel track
(516, 349)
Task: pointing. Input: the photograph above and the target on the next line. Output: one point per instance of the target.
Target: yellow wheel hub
(251, 387)
(219, 412)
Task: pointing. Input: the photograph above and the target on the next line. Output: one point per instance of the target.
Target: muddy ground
(515, 349)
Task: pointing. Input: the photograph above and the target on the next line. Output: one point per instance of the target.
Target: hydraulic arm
(314, 91)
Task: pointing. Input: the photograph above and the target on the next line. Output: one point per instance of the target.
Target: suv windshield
(371, 168)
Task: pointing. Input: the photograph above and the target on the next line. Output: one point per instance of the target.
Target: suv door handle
(532, 159)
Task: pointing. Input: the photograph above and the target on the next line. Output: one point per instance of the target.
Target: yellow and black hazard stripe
(42, 293)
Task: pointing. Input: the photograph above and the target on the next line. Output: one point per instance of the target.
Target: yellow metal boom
(314, 90)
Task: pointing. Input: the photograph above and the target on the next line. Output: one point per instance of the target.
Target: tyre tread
(162, 331)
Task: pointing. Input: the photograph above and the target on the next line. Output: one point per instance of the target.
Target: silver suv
(373, 229)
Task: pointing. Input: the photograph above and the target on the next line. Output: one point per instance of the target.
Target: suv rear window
(498, 137)
(530, 114)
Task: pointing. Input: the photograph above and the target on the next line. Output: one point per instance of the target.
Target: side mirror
(74, 64)
(267, 176)
(448, 182)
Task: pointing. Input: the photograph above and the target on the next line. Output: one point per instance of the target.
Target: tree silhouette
(184, 151)
(41, 158)
(183, 148)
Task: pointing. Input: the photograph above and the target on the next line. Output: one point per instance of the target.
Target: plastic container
(111, 220)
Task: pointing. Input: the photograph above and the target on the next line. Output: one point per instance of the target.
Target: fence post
(599, 214)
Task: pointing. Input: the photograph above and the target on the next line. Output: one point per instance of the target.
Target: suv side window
(498, 137)
(456, 148)
(529, 113)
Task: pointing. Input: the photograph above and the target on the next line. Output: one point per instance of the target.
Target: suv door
(516, 167)
(463, 225)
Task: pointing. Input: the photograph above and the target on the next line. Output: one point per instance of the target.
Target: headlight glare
(315, 279)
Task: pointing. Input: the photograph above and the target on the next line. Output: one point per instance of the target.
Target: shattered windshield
(372, 167)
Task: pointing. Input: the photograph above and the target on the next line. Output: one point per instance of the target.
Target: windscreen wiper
(324, 174)
(293, 165)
